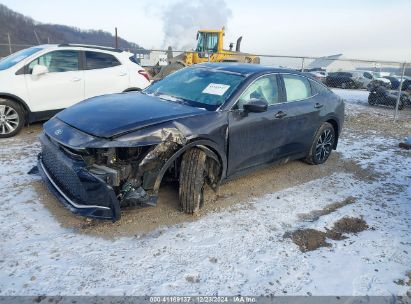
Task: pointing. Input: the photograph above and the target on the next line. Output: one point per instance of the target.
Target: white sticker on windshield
(216, 89)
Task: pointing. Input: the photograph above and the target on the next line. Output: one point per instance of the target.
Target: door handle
(76, 79)
(122, 74)
(280, 114)
(318, 105)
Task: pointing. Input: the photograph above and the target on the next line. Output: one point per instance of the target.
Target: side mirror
(255, 105)
(39, 69)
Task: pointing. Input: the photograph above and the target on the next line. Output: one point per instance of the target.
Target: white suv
(37, 82)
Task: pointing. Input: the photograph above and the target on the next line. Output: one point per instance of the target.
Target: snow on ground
(241, 250)
(353, 96)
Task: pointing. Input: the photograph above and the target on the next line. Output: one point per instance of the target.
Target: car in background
(40, 81)
(203, 124)
(395, 82)
(318, 75)
(380, 95)
(367, 77)
(344, 80)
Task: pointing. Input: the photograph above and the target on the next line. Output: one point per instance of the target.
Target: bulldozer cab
(209, 42)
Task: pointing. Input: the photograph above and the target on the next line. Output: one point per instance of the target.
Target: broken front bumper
(70, 181)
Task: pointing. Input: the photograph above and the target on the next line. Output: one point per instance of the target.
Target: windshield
(198, 87)
(15, 58)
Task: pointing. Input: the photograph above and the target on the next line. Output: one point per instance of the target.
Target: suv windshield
(198, 87)
(15, 58)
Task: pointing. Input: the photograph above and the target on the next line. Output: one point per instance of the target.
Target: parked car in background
(344, 80)
(206, 123)
(395, 82)
(318, 75)
(366, 77)
(37, 82)
(380, 95)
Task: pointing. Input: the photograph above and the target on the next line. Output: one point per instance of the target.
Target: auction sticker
(216, 89)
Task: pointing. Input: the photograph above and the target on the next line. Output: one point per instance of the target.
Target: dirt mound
(350, 225)
(309, 239)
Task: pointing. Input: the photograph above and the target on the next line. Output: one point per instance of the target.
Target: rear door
(61, 87)
(104, 74)
(302, 109)
(256, 138)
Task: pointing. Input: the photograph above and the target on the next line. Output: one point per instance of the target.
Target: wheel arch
(334, 122)
(132, 89)
(20, 101)
(209, 147)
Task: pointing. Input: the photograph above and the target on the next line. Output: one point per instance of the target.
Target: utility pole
(116, 38)
(37, 37)
(8, 36)
(399, 91)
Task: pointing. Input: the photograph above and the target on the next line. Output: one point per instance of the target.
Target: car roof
(245, 69)
(82, 46)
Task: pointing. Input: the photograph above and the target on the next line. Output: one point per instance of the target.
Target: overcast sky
(369, 29)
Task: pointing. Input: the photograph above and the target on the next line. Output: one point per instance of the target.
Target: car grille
(62, 171)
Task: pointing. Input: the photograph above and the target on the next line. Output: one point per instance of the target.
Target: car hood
(109, 116)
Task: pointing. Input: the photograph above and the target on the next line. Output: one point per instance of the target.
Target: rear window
(296, 87)
(97, 60)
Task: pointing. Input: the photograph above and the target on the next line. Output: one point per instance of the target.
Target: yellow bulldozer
(209, 49)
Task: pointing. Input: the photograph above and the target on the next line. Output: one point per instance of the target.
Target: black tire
(192, 179)
(403, 101)
(323, 144)
(372, 99)
(12, 118)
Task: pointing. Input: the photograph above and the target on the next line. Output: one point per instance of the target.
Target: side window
(296, 87)
(265, 88)
(97, 60)
(57, 61)
(318, 87)
(367, 75)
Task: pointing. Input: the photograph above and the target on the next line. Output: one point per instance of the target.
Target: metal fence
(382, 84)
(374, 83)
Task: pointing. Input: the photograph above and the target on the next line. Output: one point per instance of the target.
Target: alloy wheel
(9, 119)
(324, 145)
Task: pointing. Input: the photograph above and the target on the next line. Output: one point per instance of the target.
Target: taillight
(145, 74)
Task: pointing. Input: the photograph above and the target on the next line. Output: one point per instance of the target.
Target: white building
(331, 64)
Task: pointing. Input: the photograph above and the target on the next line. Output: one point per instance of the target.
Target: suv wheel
(323, 143)
(11, 118)
(192, 178)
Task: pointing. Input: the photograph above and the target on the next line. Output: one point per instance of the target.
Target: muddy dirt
(406, 282)
(350, 225)
(311, 239)
(315, 214)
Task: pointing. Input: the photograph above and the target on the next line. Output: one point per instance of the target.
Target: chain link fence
(382, 84)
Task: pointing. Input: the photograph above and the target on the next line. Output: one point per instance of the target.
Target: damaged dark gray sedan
(201, 125)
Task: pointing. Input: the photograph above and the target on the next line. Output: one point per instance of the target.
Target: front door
(256, 138)
(61, 87)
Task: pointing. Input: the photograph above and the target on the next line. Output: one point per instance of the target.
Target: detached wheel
(323, 143)
(192, 178)
(11, 118)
